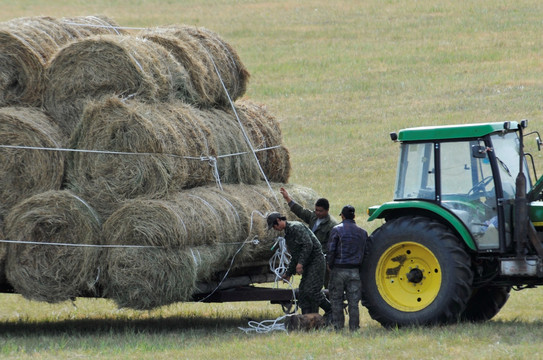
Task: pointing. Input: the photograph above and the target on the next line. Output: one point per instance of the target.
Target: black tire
(485, 303)
(431, 283)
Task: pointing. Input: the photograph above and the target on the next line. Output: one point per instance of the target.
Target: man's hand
(299, 269)
(285, 194)
(285, 278)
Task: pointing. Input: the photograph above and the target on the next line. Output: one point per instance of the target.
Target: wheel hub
(408, 276)
(414, 276)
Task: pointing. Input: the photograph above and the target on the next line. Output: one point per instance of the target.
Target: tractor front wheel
(416, 272)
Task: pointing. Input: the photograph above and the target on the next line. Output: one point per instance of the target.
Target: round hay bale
(107, 65)
(210, 61)
(187, 228)
(265, 133)
(173, 136)
(197, 232)
(26, 172)
(26, 44)
(53, 273)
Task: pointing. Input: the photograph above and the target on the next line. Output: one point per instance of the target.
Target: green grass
(96, 329)
(340, 76)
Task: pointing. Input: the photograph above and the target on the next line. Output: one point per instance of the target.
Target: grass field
(340, 76)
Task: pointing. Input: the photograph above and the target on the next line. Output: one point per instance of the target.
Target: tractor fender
(395, 209)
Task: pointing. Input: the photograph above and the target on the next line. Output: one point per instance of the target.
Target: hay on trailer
(25, 172)
(101, 66)
(265, 133)
(53, 273)
(204, 53)
(174, 136)
(199, 231)
(26, 44)
(235, 162)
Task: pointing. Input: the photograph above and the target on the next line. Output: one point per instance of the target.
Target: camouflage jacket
(322, 231)
(303, 246)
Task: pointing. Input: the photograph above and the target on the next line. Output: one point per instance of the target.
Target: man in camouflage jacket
(319, 220)
(307, 259)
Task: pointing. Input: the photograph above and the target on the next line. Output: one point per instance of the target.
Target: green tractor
(464, 228)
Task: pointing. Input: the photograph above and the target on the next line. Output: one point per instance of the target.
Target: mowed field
(340, 76)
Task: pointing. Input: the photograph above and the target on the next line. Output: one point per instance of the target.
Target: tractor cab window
(467, 189)
(416, 172)
(507, 147)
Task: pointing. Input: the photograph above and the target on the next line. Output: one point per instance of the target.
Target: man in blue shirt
(344, 258)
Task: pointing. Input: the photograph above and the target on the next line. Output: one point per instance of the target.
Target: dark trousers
(310, 296)
(345, 281)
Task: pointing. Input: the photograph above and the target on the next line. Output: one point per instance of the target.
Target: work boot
(327, 318)
(326, 306)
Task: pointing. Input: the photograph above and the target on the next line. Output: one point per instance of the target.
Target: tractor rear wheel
(415, 272)
(485, 303)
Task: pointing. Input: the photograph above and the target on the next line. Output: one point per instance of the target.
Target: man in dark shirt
(345, 254)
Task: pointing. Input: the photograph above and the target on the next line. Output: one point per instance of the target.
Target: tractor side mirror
(478, 152)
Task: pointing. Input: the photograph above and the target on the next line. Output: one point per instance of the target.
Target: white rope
(91, 210)
(215, 170)
(76, 245)
(266, 326)
(201, 158)
(278, 265)
(240, 124)
(254, 241)
(45, 243)
(249, 239)
(280, 259)
(106, 26)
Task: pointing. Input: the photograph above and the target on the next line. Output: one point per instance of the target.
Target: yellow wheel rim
(408, 276)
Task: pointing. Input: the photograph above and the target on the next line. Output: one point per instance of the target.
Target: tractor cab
(470, 170)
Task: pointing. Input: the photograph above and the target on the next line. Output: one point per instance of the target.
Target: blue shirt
(346, 245)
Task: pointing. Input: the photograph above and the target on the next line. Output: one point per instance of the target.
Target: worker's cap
(348, 212)
(272, 219)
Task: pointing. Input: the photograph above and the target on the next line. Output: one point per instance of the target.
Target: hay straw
(100, 66)
(53, 273)
(265, 132)
(26, 44)
(203, 53)
(201, 229)
(27, 172)
(159, 129)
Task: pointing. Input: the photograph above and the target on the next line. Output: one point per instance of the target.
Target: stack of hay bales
(26, 46)
(162, 171)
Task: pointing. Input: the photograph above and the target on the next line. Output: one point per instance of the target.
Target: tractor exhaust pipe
(521, 203)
